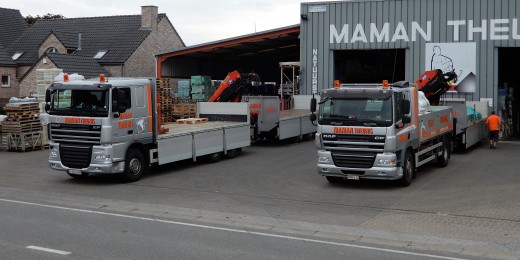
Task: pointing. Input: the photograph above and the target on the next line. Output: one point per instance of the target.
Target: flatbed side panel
(237, 137)
(302, 102)
(307, 126)
(436, 122)
(208, 142)
(224, 111)
(475, 133)
(289, 128)
(175, 148)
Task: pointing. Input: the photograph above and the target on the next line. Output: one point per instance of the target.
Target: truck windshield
(356, 112)
(80, 103)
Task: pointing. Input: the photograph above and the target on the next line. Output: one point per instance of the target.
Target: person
(493, 122)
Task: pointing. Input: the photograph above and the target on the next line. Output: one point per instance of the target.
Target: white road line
(49, 250)
(232, 230)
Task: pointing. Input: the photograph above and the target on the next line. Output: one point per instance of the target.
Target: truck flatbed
(294, 113)
(175, 129)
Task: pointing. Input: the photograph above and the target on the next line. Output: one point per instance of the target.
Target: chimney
(149, 17)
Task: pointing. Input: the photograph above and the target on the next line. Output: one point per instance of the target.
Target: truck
(270, 118)
(111, 126)
(377, 131)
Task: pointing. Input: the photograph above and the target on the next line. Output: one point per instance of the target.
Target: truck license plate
(76, 172)
(352, 177)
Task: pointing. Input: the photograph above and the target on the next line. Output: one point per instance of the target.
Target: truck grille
(70, 133)
(75, 156)
(353, 160)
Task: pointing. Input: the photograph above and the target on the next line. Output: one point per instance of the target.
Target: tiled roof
(85, 66)
(120, 35)
(12, 25)
(69, 39)
(5, 59)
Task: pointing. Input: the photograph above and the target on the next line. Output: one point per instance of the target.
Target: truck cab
(371, 131)
(95, 124)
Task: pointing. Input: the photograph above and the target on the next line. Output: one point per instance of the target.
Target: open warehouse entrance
(508, 101)
(369, 66)
(260, 53)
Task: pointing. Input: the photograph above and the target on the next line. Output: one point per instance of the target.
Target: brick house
(12, 25)
(118, 45)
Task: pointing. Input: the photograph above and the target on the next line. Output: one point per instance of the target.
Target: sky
(197, 21)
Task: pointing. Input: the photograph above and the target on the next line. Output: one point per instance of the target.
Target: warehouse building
(370, 41)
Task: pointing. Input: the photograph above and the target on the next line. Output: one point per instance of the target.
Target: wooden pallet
(191, 120)
(23, 106)
(23, 142)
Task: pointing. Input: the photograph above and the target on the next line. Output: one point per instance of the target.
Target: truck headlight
(386, 162)
(323, 159)
(102, 157)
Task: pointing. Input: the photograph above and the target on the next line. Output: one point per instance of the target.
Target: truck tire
(232, 153)
(408, 170)
(135, 165)
(213, 157)
(442, 161)
(334, 180)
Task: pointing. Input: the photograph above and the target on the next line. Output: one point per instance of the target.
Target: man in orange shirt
(493, 122)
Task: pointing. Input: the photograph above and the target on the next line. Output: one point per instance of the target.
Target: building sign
(314, 71)
(492, 29)
(317, 8)
(460, 57)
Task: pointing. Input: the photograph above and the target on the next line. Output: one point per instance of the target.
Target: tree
(32, 19)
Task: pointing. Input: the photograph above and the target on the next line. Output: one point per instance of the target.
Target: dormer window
(17, 55)
(100, 54)
(51, 50)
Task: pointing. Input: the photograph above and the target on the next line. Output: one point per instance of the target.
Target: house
(118, 45)
(12, 25)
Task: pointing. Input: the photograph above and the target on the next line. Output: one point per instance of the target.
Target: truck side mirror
(47, 96)
(406, 106)
(406, 120)
(313, 106)
(313, 117)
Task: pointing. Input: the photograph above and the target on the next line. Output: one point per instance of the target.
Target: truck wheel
(334, 179)
(442, 161)
(135, 165)
(232, 153)
(408, 170)
(214, 157)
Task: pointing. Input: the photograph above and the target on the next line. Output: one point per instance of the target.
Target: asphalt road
(469, 209)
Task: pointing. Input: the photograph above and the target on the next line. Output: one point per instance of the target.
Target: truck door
(142, 117)
(123, 123)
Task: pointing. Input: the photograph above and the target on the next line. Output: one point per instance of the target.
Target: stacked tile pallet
(201, 88)
(165, 99)
(22, 127)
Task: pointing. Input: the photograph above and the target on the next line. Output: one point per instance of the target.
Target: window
(17, 55)
(100, 54)
(398, 97)
(6, 80)
(51, 50)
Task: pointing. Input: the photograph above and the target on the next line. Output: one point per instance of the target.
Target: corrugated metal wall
(315, 34)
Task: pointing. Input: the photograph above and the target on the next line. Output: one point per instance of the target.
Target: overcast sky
(197, 21)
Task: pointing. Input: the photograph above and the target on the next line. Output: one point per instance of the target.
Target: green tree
(32, 19)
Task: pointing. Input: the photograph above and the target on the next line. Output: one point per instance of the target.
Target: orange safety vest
(493, 121)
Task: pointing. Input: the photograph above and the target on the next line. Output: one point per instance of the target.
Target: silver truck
(375, 131)
(111, 127)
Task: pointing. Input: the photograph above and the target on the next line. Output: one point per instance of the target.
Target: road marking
(229, 230)
(49, 250)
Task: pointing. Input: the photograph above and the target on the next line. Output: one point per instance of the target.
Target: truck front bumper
(96, 166)
(326, 167)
